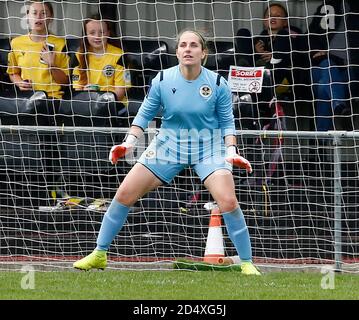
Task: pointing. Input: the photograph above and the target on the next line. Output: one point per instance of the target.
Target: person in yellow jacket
(99, 64)
(38, 60)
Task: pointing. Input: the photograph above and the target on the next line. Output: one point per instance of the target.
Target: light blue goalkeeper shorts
(167, 167)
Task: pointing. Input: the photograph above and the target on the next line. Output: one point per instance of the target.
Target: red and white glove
(120, 150)
(236, 160)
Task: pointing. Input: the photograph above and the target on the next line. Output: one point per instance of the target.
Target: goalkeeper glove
(235, 159)
(120, 150)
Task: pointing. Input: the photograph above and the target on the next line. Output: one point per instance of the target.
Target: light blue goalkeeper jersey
(196, 114)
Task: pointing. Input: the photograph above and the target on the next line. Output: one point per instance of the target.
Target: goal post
(303, 211)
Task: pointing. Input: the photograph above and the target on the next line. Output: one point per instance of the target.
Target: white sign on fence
(246, 79)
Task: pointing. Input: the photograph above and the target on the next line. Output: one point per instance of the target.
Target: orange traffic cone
(214, 252)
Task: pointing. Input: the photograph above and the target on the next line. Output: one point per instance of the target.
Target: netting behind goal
(301, 202)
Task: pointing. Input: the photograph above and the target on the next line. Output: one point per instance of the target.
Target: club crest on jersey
(205, 91)
(108, 71)
(150, 154)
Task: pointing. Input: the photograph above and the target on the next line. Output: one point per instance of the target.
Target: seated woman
(273, 46)
(37, 61)
(99, 65)
(270, 49)
(279, 49)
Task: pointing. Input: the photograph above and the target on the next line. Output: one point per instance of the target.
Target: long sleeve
(150, 105)
(224, 110)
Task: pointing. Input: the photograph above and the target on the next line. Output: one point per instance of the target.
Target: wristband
(131, 139)
(232, 150)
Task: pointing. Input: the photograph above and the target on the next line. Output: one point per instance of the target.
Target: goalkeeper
(197, 130)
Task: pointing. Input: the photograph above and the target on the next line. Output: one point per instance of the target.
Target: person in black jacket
(279, 48)
(274, 45)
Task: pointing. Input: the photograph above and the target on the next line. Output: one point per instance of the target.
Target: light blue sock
(112, 223)
(238, 233)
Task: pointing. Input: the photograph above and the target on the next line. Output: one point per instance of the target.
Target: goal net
(298, 131)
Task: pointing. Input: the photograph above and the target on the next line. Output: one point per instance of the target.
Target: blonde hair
(201, 38)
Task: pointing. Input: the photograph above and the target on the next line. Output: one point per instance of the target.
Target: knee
(227, 203)
(125, 196)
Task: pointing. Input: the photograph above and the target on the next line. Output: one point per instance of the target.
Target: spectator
(329, 73)
(37, 60)
(352, 24)
(278, 48)
(274, 45)
(99, 63)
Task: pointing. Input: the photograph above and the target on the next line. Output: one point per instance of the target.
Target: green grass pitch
(177, 285)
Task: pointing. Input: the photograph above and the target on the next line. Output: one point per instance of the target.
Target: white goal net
(298, 131)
